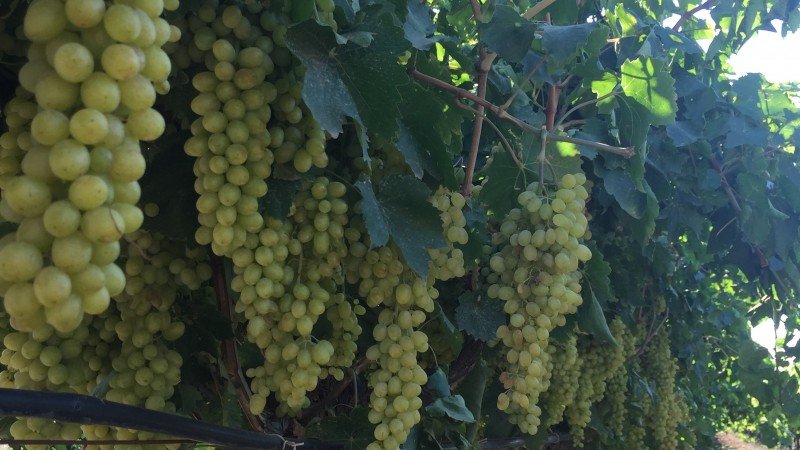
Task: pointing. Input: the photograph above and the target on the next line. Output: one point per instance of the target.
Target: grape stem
(506, 145)
(688, 14)
(625, 152)
(482, 68)
(335, 392)
(230, 355)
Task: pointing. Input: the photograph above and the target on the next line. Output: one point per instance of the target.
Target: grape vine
(388, 225)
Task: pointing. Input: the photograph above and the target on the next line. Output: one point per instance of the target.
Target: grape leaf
(480, 318)
(645, 81)
(351, 80)
(376, 223)
(683, 133)
(278, 201)
(592, 320)
(437, 384)
(452, 406)
(620, 185)
(419, 27)
(562, 43)
(508, 34)
(597, 271)
(351, 431)
(453, 337)
(401, 211)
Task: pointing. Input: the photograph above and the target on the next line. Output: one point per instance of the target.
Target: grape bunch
(71, 180)
(251, 117)
(288, 281)
(601, 361)
(534, 271)
(448, 262)
(146, 369)
(667, 410)
(614, 403)
(564, 378)
(396, 378)
(49, 360)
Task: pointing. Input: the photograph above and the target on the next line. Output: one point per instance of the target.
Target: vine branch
(625, 152)
(334, 394)
(688, 14)
(726, 186)
(230, 357)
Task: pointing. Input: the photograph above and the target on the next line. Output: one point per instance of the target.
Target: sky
(768, 53)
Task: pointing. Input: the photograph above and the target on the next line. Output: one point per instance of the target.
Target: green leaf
(671, 39)
(401, 211)
(621, 186)
(597, 271)
(605, 86)
(633, 128)
(644, 228)
(452, 406)
(419, 27)
(280, 196)
(437, 384)
(592, 320)
(683, 133)
(171, 171)
(351, 431)
(480, 318)
(453, 337)
(472, 389)
(508, 34)
(231, 412)
(349, 80)
(646, 82)
(562, 43)
(375, 219)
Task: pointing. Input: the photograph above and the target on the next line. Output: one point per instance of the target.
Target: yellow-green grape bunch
(601, 360)
(287, 281)
(251, 116)
(613, 405)
(534, 271)
(563, 379)
(398, 379)
(93, 70)
(448, 262)
(14, 142)
(146, 369)
(404, 301)
(667, 412)
(49, 360)
(343, 316)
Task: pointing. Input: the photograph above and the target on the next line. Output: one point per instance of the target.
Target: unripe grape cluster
(288, 281)
(667, 410)
(93, 70)
(563, 386)
(403, 301)
(534, 271)
(448, 262)
(601, 361)
(251, 116)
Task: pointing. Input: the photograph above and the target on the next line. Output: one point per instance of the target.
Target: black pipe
(88, 410)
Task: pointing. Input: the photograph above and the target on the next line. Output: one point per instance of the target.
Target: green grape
(533, 269)
(600, 363)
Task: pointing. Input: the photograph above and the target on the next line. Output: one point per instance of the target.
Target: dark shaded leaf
(479, 317)
(508, 34)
